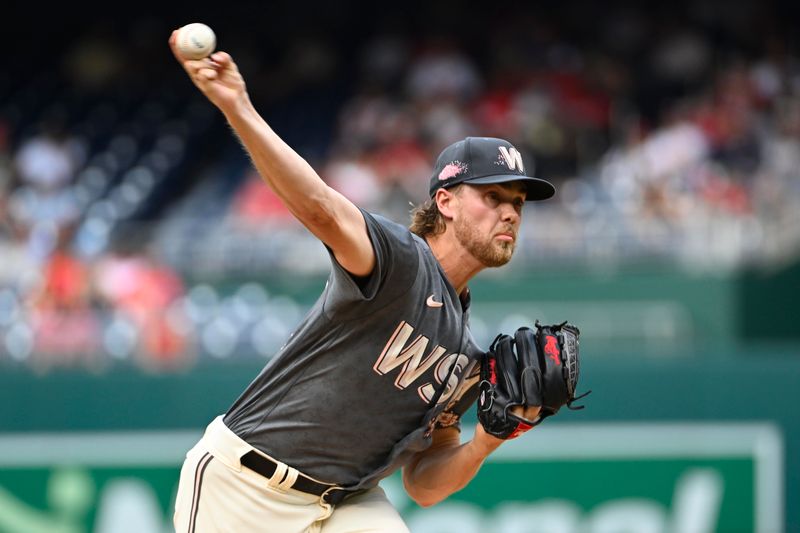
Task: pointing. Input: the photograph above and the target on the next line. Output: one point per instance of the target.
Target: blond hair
(426, 219)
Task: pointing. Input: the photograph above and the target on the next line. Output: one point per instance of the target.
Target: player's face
(488, 222)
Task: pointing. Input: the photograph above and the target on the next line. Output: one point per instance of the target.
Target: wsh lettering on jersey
(415, 360)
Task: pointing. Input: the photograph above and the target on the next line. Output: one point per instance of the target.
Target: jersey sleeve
(397, 262)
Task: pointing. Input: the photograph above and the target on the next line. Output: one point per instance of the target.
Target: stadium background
(146, 275)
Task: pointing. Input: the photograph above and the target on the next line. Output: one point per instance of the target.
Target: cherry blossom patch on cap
(451, 170)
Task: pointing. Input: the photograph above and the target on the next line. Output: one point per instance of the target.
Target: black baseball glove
(532, 368)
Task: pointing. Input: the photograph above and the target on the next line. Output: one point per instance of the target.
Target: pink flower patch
(452, 170)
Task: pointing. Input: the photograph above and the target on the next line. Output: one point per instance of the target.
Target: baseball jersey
(375, 365)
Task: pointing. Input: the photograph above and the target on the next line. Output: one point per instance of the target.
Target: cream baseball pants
(217, 494)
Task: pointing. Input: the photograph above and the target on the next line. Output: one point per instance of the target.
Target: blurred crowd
(670, 134)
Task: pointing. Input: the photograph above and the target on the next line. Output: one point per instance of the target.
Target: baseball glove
(532, 368)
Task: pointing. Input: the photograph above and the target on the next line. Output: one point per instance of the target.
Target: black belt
(330, 493)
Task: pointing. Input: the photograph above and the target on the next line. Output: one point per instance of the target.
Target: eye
(518, 204)
(493, 198)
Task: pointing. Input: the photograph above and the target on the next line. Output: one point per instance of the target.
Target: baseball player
(378, 374)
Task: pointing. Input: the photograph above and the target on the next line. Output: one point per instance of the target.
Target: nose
(508, 213)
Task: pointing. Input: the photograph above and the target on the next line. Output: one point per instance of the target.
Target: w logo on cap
(512, 158)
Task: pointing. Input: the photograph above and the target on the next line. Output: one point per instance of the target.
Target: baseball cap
(483, 160)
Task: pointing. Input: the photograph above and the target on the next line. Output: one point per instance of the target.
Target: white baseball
(196, 41)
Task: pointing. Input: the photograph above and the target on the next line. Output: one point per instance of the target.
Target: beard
(489, 251)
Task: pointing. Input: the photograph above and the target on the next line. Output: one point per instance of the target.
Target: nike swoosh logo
(433, 303)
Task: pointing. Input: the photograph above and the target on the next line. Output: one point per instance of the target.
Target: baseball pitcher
(379, 373)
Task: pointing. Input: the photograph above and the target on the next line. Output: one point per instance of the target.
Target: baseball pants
(217, 494)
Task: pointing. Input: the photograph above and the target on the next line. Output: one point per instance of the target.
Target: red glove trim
(522, 427)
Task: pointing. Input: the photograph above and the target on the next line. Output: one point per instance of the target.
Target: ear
(445, 201)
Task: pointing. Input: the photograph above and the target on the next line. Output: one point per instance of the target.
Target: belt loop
(326, 496)
(291, 477)
(278, 475)
(334, 495)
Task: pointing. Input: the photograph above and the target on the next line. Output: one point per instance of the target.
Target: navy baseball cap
(483, 160)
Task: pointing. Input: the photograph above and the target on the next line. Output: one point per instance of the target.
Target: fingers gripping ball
(530, 369)
(196, 41)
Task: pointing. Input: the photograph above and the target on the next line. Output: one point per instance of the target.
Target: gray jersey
(369, 372)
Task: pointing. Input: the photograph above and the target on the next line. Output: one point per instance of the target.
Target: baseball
(196, 41)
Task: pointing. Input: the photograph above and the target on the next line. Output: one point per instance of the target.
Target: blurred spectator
(66, 283)
(254, 204)
(66, 329)
(734, 138)
(43, 207)
(382, 62)
(47, 160)
(403, 165)
(441, 71)
(145, 292)
(351, 174)
(681, 57)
